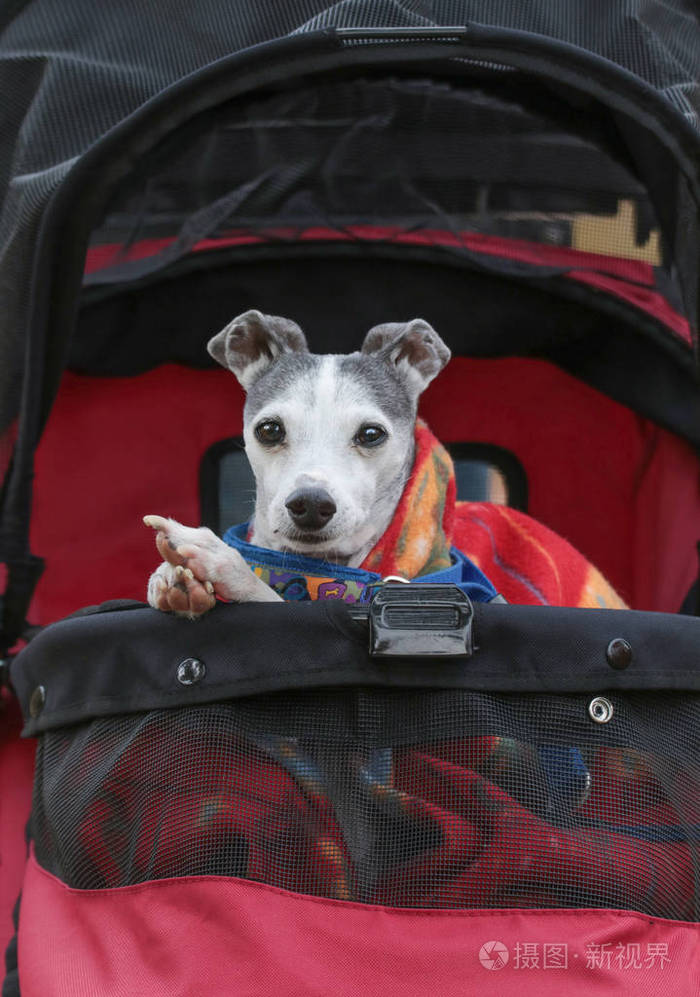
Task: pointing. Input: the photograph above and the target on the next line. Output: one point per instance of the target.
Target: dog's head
(329, 438)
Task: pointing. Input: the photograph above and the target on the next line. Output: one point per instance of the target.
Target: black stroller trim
(654, 374)
(111, 661)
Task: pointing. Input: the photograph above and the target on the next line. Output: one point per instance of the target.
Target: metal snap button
(190, 671)
(619, 653)
(600, 710)
(37, 701)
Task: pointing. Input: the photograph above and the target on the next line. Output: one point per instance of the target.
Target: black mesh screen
(506, 179)
(416, 799)
(379, 159)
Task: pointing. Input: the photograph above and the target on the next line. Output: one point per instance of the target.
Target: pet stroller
(259, 804)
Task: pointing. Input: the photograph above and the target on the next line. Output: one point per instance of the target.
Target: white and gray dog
(331, 443)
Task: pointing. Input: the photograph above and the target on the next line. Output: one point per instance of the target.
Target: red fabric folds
(528, 563)
(522, 856)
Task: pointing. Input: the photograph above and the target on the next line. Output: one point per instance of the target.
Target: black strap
(691, 603)
(10, 985)
(23, 573)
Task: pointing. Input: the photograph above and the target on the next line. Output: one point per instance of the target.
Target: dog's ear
(413, 348)
(252, 341)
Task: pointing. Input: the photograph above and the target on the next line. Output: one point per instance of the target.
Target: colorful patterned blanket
(525, 561)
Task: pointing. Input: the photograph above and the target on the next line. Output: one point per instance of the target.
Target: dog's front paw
(210, 568)
(174, 589)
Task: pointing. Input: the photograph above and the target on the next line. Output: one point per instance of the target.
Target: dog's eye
(369, 436)
(270, 432)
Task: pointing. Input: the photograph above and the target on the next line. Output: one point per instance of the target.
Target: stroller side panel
(220, 936)
(350, 816)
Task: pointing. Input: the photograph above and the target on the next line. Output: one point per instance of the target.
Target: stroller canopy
(490, 138)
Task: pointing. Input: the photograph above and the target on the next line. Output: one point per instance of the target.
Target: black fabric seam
(85, 711)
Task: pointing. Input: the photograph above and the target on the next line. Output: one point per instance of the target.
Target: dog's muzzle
(310, 508)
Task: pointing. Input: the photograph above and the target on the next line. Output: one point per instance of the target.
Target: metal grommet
(190, 671)
(37, 701)
(619, 653)
(600, 710)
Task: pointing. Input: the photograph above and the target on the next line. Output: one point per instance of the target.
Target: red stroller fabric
(205, 935)
(293, 925)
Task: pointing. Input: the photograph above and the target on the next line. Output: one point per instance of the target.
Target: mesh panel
(519, 190)
(446, 800)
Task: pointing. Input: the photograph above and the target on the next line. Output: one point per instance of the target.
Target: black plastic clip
(432, 621)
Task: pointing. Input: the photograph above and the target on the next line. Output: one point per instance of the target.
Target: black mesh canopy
(69, 74)
(92, 96)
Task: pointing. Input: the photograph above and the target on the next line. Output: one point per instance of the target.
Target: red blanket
(525, 561)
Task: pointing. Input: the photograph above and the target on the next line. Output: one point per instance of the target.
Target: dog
(330, 439)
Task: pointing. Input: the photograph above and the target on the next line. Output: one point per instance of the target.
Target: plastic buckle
(433, 621)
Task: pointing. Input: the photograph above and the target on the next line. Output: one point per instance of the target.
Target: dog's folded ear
(252, 341)
(413, 348)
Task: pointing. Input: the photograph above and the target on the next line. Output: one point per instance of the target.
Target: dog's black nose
(310, 508)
